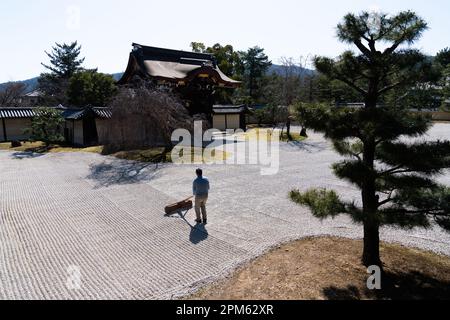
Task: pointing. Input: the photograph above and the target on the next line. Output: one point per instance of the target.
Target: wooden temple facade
(192, 76)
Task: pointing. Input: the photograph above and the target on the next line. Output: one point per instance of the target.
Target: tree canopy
(256, 64)
(91, 88)
(64, 63)
(64, 60)
(228, 60)
(46, 125)
(443, 57)
(250, 67)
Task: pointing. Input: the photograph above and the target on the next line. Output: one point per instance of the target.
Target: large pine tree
(256, 64)
(394, 172)
(64, 63)
(64, 60)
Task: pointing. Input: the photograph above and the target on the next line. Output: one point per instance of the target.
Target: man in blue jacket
(201, 190)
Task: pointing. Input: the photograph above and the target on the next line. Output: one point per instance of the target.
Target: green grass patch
(40, 147)
(59, 149)
(294, 137)
(154, 155)
(266, 134)
(26, 146)
(158, 155)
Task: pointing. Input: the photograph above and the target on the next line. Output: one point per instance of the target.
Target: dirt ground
(330, 268)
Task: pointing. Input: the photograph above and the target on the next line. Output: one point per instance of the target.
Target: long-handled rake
(179, 207)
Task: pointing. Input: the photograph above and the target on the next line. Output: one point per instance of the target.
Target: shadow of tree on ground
(122, 172)
(306, 146)
(20, 155)
(396, 286)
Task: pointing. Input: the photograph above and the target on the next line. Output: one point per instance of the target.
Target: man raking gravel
(200, 189)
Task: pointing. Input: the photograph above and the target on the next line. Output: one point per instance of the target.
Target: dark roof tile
(229, 109)
(67, 113)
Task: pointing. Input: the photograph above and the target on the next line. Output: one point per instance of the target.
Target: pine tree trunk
(371, 253)
(288, 129)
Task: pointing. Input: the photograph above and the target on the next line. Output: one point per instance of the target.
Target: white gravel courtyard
(106, 217)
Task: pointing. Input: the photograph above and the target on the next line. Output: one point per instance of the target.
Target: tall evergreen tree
(256, 64)
(394, 174)
(64, 63)
(229, 62)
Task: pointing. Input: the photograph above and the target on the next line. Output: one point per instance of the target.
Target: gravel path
(105, 217)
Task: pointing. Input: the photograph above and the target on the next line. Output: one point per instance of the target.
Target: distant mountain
(117, 76)
(280, 70)
(31, 84)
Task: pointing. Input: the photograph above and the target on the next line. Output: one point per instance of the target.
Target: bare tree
(290, 83)
(306, 78)
(11, 93)
(282, 118)
(144, 117)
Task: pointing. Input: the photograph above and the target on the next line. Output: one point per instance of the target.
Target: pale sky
(106, 28)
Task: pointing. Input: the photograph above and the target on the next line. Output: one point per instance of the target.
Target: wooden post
(5, 137)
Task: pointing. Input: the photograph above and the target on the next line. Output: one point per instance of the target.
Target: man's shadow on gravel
(198, 233)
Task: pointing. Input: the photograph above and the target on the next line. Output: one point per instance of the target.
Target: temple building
(192, 76)
(229, 117)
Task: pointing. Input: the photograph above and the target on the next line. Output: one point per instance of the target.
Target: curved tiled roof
(229, 109)
(10, 113)
(67, 113)
(104, 113)
(173, 65)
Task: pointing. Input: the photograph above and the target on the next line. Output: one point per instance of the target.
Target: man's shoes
(205, 222)
(198, 221)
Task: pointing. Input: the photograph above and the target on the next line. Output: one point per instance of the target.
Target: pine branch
(363, 48)
(390, 171)
(323, 203)
(397, 43)
(372, 44)
(394, 47)
(390, 87)
(351, 84)
(404, 171)
(388, 200)
(433, 212)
